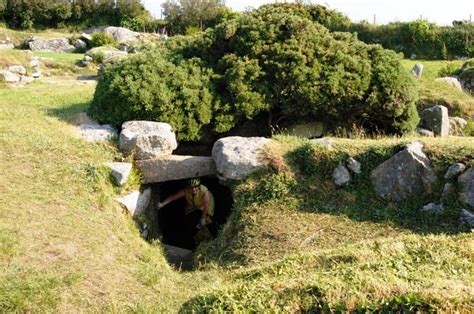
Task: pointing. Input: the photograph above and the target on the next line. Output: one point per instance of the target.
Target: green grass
(294, 241)
(432, 93)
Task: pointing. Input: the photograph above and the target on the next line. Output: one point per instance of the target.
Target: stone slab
(175, 167)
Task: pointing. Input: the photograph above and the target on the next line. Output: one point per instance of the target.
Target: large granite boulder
(466, 181)
(57, 45)
(417, 70)
(450, 81)
(147, 139)
(121, 34)
(436, 119)
(237, 157)
(176, 167)
(408, 173)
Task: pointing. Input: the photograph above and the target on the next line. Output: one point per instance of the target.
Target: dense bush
(54, 13)
(270, 61)
(420, 38)
(103, 39)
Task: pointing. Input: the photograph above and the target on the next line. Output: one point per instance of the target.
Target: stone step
(181, 258)
(176, 167)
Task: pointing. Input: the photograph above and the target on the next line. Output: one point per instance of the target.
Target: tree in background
(184, 15)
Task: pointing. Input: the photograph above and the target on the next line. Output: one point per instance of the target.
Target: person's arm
(171, 198)
(205, 210)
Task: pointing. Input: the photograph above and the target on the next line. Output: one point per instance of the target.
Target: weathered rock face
(120, 171)
(175, 167)
(122, 35)
(307, 130)
(454, 170)
(58, 45)
(417, 70)
(466, 180)
(6, 46)
(457, 125)
(408, 173)
(237, 157)
(9, 77)
(451, 81)
(147, 139)
(136, 202)
(341, 175)
(436, 119)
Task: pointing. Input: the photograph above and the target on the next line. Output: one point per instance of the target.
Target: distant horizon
(383, 12)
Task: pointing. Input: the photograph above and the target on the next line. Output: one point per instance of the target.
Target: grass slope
(64, 243)
(439, 93)
(293, 242)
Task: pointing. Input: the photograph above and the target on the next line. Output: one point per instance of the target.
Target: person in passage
(199, 209)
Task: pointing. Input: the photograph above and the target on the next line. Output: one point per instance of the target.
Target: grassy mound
(293, 242)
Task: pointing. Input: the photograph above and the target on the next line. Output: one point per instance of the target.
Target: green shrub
(448, 70)
(269, 61)
(103, 39)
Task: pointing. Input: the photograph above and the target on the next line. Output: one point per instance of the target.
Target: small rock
(353, 165)
(466, 181)
(341, 175)
(136, 202)
(457, 125)
(307, 130)
(433, 208)
(80, 44)
(9, 77)
(7, 46)
(424, 132)
(448, 189)
(97, 133)
(324, 141)
(451, 81)
(27, 79)
(34, 63)
(417, 70)
(454, 170)
(467, 218)
(17, 69)
(87, 58)
(120, 171)
(36, 74)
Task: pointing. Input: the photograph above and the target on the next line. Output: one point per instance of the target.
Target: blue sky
(440, 12)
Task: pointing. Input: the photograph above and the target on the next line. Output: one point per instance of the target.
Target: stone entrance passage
(169, 221)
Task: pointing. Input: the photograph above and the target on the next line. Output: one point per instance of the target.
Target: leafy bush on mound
(269, 61)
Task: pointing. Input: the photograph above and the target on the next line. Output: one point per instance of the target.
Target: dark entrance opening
(171, 218)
